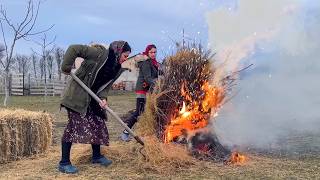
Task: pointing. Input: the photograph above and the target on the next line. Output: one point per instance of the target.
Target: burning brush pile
(185, 102)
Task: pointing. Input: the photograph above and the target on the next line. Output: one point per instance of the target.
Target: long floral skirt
(86, 129)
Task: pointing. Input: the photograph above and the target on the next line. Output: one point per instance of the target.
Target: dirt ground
(261, 165)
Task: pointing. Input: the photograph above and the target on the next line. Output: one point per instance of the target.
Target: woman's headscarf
(119, 47)
(146, 52)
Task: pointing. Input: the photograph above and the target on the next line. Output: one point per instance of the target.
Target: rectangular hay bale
(23, 133)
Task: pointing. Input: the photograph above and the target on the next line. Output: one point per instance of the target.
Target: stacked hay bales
(23, 133)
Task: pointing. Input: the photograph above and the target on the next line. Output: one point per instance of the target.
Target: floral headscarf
(117, 47)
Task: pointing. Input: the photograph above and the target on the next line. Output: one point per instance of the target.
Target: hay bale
(23, 133)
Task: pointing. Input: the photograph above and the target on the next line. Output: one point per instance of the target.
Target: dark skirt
(88, 129)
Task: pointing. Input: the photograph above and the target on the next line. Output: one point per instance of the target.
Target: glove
(145, 85)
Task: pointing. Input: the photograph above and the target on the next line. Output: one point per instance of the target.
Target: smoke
(278, 98)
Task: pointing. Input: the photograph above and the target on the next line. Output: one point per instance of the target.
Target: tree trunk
(59, 72)
(6, 87)
(23, 83)
(34, 69)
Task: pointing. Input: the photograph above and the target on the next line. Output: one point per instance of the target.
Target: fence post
(29, 87)
(22, 83)
(10, 84)
(53, 87)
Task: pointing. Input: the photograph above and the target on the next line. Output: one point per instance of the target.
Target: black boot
(97, 157)
(140, 103)
(65, 165)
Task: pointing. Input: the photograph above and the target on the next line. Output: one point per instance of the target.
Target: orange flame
(194, 114)
(183, 111)
(237, 158)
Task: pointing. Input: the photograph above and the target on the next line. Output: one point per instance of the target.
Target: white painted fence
(25, 85)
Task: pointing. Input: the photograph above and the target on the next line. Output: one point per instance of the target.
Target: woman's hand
(66, 73)
(103, 104)
(140, 57)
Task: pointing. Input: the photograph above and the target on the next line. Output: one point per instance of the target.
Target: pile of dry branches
(190, 67)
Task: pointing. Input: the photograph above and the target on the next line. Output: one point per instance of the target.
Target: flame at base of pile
(236, 158)
(206, 146)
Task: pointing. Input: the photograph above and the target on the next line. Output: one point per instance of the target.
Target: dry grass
(23, 133)
(125, 167)
(129, 163)
(155, 157)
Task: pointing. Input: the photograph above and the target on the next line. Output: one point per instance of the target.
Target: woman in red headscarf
(148, 74)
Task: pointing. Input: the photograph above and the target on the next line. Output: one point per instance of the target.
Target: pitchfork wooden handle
(139, 140)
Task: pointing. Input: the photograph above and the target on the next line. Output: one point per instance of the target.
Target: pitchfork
(106, 108)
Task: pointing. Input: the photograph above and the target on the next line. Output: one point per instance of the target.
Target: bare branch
(35, 52)
(31, 19)
(4, 38)
(40, 32)
(44, 44)
(29, 9)
(237, 72)
(52, 41)
(36, 33)
(38, 43)
(2, 49)
(5, 18)
(22, 32)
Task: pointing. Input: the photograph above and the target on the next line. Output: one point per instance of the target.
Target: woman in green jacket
(100, 68)
(148, 74)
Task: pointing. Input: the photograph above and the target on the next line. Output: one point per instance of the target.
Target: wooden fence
(20, 85)
(51, 88)
(16, 84)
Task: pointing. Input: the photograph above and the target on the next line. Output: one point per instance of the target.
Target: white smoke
(279, 96)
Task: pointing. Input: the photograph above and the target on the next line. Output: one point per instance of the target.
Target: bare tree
(49, 64)
(34, 60)
(2, 50)
(42, 67)
(23, 66)
(46, 49)
(59, 53)
(21, 30)
(23, 63)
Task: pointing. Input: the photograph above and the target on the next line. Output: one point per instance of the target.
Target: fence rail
(21, 85)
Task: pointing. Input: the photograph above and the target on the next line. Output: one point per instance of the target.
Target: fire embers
(196, 114)
(236, 158)
(206, 146)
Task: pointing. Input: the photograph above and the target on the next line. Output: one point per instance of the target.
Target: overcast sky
(139, 22)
